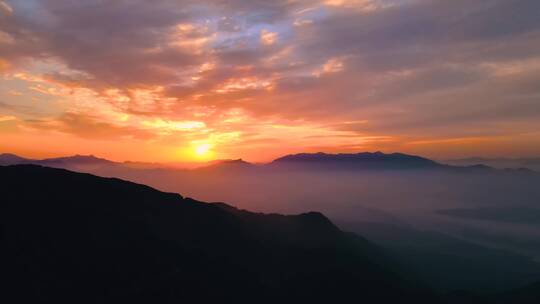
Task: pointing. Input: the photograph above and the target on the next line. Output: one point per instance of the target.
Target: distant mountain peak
(81, 157)
(76, 160)
(10, 156)
(234, 161)
(11, 159)
(229, 163)
(367, 160)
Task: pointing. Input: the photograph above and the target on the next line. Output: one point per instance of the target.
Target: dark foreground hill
(78, 238)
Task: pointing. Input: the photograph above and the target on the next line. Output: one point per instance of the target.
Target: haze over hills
(371, 194)
(79, 238)
(499, 163)
(363, 160)
(448, 262)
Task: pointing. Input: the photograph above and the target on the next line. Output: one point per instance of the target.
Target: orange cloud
(268, 37)
(256, 80)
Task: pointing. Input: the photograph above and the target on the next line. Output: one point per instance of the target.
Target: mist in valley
(473, 228)
(426, 217)
(420, 199)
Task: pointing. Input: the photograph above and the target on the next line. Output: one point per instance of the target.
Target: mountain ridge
(302, 161)
(81, 238)
(362, 160)
(409, 160)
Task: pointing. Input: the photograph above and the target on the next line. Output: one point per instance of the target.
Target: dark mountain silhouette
(78, 238)
(364, 160)
(526, 295)
(228, 164)
(368, 161)
(302, 161)
(11, 159)
(78, 160)
(499, 163)
(75, 161)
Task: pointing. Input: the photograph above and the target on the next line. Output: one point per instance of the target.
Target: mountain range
(356, 161)
(364, 160)
(499, 163)
(75, 161)
(392, 188)
(79, 238)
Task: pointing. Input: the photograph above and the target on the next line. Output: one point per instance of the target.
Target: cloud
(7, 118)
(89, 127)
(268, 38)
(5, 8)
(413, 69)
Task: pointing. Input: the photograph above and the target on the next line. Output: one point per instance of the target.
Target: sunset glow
(202, 150)
(257, 80)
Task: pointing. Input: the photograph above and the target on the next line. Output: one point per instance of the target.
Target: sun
(202, 150)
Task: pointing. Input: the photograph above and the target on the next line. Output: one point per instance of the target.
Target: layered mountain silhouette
(447, 263)
(499, 163)
(78, 238)
(302, 161)
(75, 162)
(11, 159)
(522, 215)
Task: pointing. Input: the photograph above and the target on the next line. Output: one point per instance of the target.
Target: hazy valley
(477, 228)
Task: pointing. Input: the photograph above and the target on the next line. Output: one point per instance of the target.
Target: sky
(175, 80)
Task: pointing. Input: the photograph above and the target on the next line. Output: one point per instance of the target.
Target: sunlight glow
(202, 149)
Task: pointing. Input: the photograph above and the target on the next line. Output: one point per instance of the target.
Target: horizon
(194, 81)
(207, 161)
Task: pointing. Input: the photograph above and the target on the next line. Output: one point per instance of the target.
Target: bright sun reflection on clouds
(202, 150)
